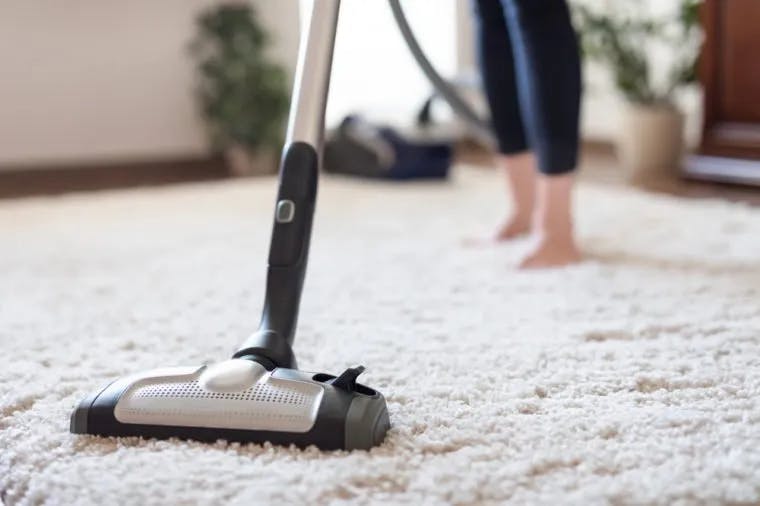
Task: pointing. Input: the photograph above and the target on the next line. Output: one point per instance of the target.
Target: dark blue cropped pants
(531, 70)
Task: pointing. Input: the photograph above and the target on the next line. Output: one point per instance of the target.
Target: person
(530, 64)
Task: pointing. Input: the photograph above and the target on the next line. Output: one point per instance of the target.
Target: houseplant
(243, 95)
(650, 57)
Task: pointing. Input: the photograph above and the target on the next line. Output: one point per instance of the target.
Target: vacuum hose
(480, 127)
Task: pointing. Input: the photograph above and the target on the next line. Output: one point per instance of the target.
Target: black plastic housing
(288, 257)
(346, 420)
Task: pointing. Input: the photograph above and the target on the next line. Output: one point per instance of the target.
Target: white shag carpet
(633, 378)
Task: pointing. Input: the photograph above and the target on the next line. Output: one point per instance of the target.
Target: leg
(553, 221)
(499, 82)
(520, 170)
(549, 87)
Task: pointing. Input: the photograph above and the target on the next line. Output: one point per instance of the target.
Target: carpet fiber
(631, 378)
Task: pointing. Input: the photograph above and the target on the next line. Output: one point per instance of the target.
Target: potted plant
(633, 46)
(243, 95)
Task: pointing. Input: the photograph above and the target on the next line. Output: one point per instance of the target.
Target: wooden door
(730, 72)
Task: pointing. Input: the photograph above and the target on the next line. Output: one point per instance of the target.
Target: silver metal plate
(272, 404)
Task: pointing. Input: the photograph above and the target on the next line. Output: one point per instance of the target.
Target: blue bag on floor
(360, 148)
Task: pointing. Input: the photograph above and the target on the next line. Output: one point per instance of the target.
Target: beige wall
(374, 73)
(92, 80)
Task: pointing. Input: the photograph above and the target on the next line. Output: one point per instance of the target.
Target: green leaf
(618, 37)
(242, 95)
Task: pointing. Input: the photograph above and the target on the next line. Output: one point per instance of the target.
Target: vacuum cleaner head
(239, 400)
(259, 395)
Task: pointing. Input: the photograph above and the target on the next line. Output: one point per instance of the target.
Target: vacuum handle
(296, 198)
(291, 235)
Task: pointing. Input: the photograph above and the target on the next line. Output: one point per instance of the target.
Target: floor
(632, 378)
(24, 181)
(598, 165)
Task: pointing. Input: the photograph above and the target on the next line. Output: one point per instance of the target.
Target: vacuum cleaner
(360, 148)
(259, 395)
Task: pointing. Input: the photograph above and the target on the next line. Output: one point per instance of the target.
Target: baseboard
(723, 170)
(50, 180)
(598, 147)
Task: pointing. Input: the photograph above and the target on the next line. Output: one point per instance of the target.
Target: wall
(93, 80)
(374, 73)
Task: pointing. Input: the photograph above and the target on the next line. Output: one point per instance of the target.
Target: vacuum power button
(286, 210)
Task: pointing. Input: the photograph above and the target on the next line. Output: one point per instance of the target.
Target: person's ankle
(554, 234)
(561, 238)
(524, 217)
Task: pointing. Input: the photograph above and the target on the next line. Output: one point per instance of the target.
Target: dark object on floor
(360, 148)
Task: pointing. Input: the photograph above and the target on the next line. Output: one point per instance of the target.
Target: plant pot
(242, 162)
(650, 143)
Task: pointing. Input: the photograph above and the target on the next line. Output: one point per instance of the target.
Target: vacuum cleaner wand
(288, 252)
(259, 395)
(297, 192)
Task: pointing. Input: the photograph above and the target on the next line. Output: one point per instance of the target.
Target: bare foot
(520, 172)
(554, 225)
(517, 226)
(552, 252)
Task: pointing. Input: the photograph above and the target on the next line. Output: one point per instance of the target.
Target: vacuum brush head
(239, 400)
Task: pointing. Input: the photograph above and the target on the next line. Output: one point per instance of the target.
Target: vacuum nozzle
(239, 400)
